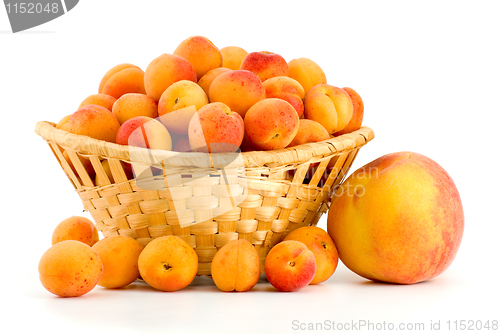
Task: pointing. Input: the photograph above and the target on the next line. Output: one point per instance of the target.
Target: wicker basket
(207, 200)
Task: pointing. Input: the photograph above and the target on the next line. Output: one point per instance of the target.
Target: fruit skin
(216, 129)
(309, 132)
(93, 121)
(306, 72)
(70, 269)
(398, 219)
(132, 105)
(113, 71)
(287, 89)
(265, 64)
(76, 228)
(271, 124)
(168, 263)
(103, 100)
(63, 121)
(330, 106)
(239, 90)
(142, 131)
(236, 266)
(232, 56)
(128, 80)
(119, 255)
(179, 103)
(321, 244)
(164, 71)
(290, 266)
(357, 112)
(201, 53)
(206, 81)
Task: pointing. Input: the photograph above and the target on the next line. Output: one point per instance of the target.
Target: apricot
(330, 106)
(357, 112)
(76, 228)
(309, 132)
(94, 121)
(168, 263)
(265, 64)
(232, 56)
(206, 81)
(321, 244)
(287, 89)
(271, 124)
(146, 132)
(182, 144)
(215, 128)
(70, 269)
(102, 100)
(239, 90)
(417, 227)
(85, 162)
(201, 53)
(164, 71)
(63, 121)
(120, 256)
(290, 266)
(132, 105)
(179, 103)
(306, 72)
(128, 80)
(236, 266)
(113, 71)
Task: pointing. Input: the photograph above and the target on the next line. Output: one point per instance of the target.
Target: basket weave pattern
(260, 197)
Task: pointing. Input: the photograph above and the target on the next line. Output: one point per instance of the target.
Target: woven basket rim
(293, 155)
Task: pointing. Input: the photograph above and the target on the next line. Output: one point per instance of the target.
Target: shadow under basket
(205, 199)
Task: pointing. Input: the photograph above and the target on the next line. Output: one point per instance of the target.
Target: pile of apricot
(78, 261)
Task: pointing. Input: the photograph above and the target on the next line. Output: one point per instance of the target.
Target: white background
(428, 72)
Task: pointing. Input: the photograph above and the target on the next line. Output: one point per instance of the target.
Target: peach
(201, 53)
(94, 121)
(128, 80)
(232, 56)
(120, 257)
(357, 112)
(76, 228)
(113, 71)
(239, 90)
(306, 72)
(142, 131)
(265, 64)
(319, 242)
(179, 103)
(271, 124)
(206, 81)
(70, 269)
(328, 105)
(102, 100)
(290, 266)
(309, 132)
(168, 263)
(236, 266)
(215, 128)
(398, 219)
(62, 122)
(287, 89)
(164, 71)
(132, 105)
